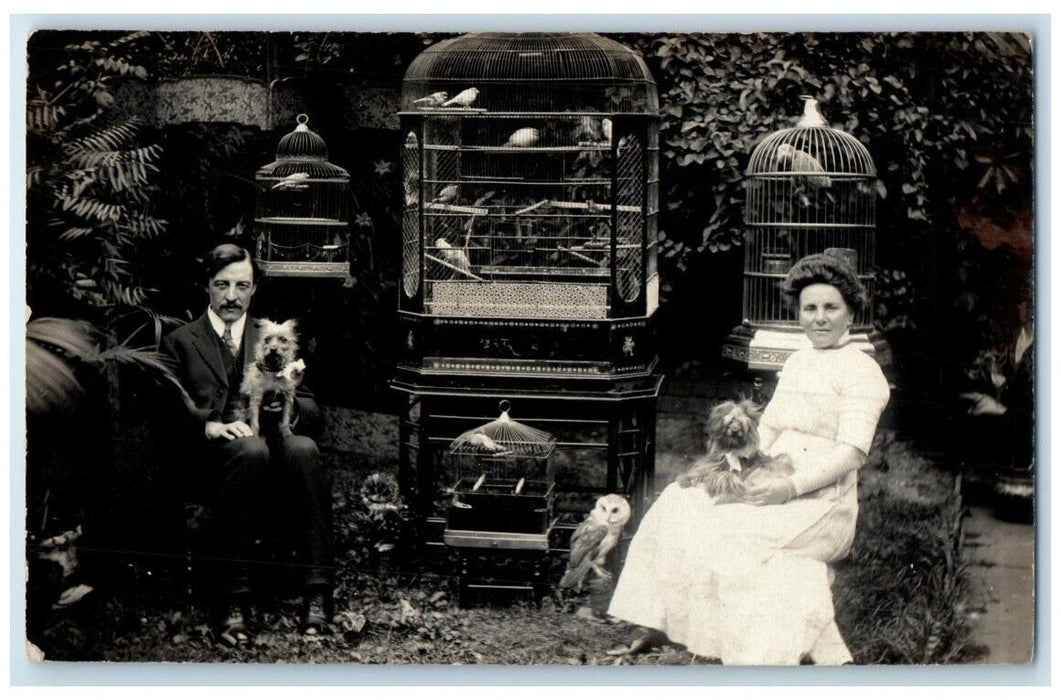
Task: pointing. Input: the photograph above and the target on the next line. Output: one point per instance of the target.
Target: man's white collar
(218, 324)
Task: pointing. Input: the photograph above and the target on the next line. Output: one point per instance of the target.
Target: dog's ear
(291, 326)
(751, 408)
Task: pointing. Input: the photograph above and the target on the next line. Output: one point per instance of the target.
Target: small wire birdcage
(809, 188)
(302, 210)
(504, 480)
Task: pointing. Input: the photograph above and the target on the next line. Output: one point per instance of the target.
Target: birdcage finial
(812, 115)
(504, 406)
(303, 122)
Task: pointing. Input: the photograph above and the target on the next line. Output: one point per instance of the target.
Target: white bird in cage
(464, 98)
(812, 114)
(606, 129)
(454, 256)
(447, 194)
(804, 164)
(523, 138)
(594, 539)
(481, 442)
(435, 99)
(294, 181)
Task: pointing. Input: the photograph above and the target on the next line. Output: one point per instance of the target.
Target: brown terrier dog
(274, 375)
(733, 460)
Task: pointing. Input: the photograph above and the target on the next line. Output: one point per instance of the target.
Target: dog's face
(277, 344)
(731, 427)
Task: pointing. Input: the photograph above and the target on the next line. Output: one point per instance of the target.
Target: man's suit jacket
(201, 370)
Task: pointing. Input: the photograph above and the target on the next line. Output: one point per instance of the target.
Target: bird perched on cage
(812, 114)
(435, 99)
(447, 194)
(733, 460)
(804, 165)
(464, 98)
(294, 181)
(478, 442)
(594, 538)
(454, 256)
(523, 138)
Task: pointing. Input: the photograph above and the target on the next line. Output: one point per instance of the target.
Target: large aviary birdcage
(531, 191)
(302, 211)
(531, 196)
(809, 189)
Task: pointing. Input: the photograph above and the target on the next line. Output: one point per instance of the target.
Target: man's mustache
(233, 305)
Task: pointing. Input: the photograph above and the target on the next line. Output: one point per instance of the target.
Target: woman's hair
(822, 268)
(224, 255)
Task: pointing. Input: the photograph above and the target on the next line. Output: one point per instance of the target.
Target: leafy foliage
(89, 198)
(947, 118)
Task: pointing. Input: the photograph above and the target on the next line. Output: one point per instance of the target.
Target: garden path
(1000, 559)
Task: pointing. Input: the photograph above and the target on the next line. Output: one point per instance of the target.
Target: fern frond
(143, 156)
(114, 137)
(75, 232)
(144, 226)
(91, 208)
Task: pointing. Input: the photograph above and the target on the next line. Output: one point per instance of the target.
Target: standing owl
(594, 538)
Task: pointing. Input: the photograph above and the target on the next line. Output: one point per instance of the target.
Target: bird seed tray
(496, 507)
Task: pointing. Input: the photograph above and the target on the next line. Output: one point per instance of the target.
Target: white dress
(750, 584)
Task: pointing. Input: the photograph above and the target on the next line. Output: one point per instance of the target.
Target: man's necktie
(226, 338)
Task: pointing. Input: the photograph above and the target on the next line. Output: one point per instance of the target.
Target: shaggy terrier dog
(275, 374)
(733, 460)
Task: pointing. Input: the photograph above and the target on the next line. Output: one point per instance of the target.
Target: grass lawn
(899, 598)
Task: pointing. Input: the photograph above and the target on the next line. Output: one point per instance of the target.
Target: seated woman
(748, 583)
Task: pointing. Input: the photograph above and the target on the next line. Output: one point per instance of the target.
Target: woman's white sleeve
(863, 395)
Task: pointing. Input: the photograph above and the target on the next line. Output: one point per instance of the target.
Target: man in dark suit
(211, 353)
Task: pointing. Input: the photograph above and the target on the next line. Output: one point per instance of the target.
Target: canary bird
(523, 138)
(447, 194)
(464, 98)
(435, 99)
(454, 256)
(294, 181)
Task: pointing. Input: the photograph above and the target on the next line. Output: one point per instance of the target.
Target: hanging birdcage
(302, 211)
(809, 189)
(531, 197)
(503, 483)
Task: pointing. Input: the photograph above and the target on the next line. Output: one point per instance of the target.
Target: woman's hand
(770, 492)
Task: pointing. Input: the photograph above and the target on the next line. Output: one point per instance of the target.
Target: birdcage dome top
(302, 151)
(815, 150)
(517, 72)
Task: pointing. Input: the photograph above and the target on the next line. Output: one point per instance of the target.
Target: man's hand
(228, 431)
(770, 492)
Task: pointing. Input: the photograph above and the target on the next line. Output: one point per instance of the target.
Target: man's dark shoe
(235, 628)
(317, 612)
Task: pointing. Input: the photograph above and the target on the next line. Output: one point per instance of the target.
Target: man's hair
(821, 268)
(224, 255)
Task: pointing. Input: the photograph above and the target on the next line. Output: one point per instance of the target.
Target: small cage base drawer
(496, 507)
(479, 539)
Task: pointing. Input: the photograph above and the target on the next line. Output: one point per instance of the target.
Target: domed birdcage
(809, 189)
(302, 210)
(531, 185)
